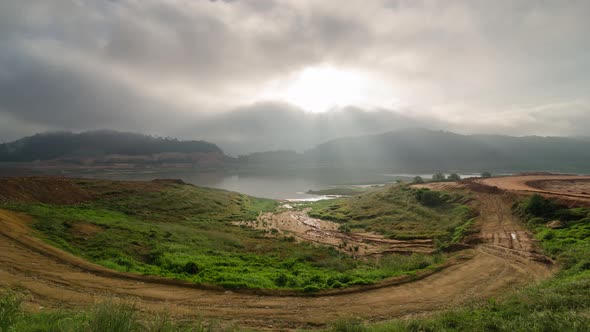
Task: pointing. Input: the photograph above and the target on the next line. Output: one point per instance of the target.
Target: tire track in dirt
(56, 278)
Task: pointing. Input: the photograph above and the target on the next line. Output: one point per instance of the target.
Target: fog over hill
(275, 126)
(421, 150)
(404, 150)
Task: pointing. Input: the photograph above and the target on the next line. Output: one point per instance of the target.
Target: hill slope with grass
(400, 212)
(171, 229)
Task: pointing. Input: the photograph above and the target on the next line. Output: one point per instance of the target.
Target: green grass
(186, 232)
(111, 315)
(10, 310)
(398, 212)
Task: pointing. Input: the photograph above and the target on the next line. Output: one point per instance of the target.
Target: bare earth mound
(505, 256)
(49, 190)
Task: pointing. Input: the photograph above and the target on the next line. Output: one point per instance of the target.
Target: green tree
(438, 177)
(418, 179)
(486, 174)
(454, 177)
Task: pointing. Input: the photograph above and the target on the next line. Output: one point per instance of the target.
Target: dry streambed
(299, 226)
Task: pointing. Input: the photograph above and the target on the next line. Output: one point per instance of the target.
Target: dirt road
(566, 187)
(505, 258)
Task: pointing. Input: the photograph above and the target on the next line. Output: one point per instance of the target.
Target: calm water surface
(286, 186)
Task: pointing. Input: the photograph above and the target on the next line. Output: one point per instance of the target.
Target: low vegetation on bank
(400, 212)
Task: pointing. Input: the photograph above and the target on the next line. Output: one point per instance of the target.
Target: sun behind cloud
(319, 89)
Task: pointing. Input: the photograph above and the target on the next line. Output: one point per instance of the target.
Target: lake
(277, 186)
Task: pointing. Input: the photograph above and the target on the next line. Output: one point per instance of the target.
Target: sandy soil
(506, 257)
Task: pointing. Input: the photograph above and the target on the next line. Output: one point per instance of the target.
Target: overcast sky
(231, 71)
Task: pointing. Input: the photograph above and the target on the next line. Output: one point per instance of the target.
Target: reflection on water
(283, 186)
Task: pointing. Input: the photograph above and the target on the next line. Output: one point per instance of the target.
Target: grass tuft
(10, 310)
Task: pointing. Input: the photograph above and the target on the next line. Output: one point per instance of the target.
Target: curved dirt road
(560, 186)
(506, 258)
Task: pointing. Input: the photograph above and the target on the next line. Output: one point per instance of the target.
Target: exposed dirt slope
(506, 257)
(50, 190)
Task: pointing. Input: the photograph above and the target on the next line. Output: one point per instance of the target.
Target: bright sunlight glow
(318, 89)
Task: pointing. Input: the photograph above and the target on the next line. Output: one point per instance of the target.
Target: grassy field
(186, 232)
(399, 212)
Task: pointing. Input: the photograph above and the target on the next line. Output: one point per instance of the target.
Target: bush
(438, 177)
(486, 174)
(539, 206)
(429, 198)
(344, 228)
(454, 177)
(281, 280)
(191, 268)
(418, 180)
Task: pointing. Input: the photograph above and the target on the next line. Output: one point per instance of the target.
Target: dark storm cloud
(195, 68)
(64, 96)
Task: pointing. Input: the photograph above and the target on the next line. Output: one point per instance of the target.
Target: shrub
(429, 198)
(438, 177)
(344, 228)
(539, 206)
(281, 280)
(454, 177)
(191, 268)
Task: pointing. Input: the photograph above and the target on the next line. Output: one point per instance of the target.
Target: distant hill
(108, 147)
(407, 150)
(421, 150)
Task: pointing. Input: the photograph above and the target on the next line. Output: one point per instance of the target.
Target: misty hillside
(98, 144)
(274, 126)
(426, 150)
(407, 150)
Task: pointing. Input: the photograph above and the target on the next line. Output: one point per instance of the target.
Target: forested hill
(426, 150)
(103, 146)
